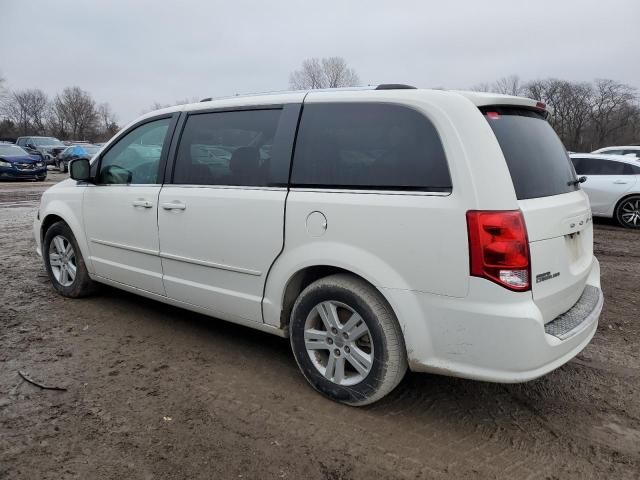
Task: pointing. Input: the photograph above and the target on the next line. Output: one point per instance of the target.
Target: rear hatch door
(555, 209)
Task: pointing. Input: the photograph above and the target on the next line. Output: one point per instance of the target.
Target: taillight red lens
(499, 248)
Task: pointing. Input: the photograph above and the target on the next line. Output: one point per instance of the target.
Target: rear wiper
(573, 183)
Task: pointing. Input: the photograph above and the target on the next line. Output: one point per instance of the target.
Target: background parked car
(47, 147)
(613, 186)
(17, 164)
(623, 150)
(82, 150)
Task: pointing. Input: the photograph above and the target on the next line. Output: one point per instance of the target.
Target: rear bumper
(493, 335)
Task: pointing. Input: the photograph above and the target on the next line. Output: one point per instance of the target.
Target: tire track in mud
(432, 441)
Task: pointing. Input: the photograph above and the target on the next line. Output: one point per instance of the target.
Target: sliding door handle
(174, 206)
(142, 203)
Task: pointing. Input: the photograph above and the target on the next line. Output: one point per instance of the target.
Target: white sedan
(612, 184)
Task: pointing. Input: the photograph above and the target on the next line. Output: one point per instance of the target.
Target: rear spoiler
(482, 99)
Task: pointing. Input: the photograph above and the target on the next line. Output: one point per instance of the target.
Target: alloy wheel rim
(630, 212)
(62, 259)
(339, 343)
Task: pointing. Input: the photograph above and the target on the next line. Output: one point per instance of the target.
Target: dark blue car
(16, 164)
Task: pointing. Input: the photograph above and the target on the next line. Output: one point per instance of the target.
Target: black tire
(82, 285)
(389, 358)
(628, 210)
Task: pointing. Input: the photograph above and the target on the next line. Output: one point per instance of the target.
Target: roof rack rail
(395, 86)
(208, 99)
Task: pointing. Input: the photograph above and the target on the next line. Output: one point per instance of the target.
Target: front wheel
(628, 212)
(347, 341)
(64, 263)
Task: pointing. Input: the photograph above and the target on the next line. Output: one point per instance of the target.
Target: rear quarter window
(368, 146)
(537, 160)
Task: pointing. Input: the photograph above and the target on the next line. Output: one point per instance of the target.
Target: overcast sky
(132, 53)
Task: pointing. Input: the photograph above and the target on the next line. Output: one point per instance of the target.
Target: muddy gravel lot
(155, 392)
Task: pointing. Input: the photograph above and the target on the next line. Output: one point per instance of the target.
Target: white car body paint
(232, 251)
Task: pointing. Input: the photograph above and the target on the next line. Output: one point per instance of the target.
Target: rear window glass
(368, 146)
(537, 160)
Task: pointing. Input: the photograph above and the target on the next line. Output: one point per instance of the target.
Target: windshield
(11, 150)
(46, 141)
(537, 160)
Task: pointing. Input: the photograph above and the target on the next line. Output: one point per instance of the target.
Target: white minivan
(379, 229)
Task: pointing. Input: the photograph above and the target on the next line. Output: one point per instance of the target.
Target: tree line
(585, 115)
(72, 114)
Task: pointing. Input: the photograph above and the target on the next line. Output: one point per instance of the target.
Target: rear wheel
(64, 263)
(628, 212)
(347, 341)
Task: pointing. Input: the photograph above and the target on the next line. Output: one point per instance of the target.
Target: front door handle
(142, 203)
(175, 205)
(620, 182)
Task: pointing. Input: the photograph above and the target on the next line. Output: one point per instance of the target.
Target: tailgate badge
(546, 276)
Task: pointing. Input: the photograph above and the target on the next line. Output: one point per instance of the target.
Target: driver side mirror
(31, 146)
(80, 170)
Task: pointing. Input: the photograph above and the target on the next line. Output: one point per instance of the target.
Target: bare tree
(508, 85)
(26, 110)
(611, 108)
(331, 72)
(78, 111)
(570, 105)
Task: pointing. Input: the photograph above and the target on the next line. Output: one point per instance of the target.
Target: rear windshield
(537, 160)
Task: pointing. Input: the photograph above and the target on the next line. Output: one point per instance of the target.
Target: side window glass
(612, 168)
(368, 146)
(227, 148)
(589, 166)
(135, 158)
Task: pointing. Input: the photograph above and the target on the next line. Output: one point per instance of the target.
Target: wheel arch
(304, 276)
(57, 211)
(47, 222)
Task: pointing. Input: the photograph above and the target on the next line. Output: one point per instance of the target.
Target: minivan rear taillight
(498, 248)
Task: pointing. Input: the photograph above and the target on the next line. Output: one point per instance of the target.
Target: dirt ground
(155, 392)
